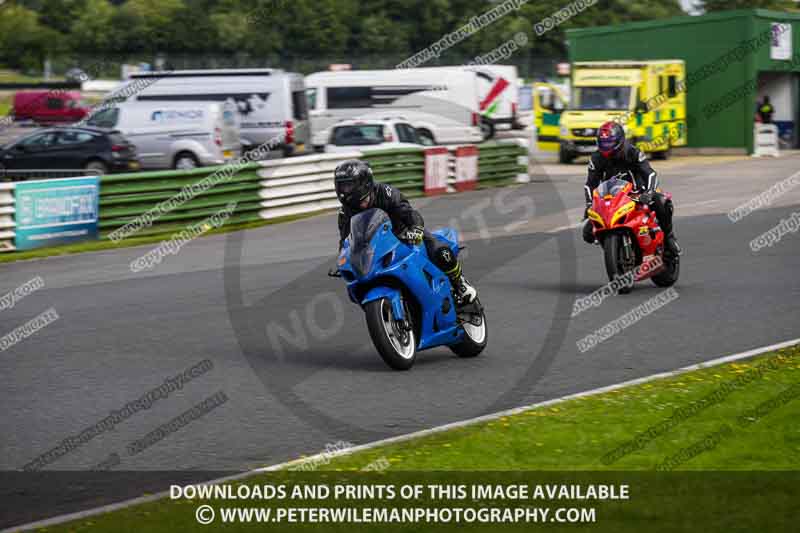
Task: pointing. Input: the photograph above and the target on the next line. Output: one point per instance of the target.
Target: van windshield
(105, 118)
(601, 98)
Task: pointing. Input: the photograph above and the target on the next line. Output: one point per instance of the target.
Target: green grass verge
(106, 244)
(576, 435)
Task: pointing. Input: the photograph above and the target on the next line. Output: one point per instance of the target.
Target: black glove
(646, 198)
(412, 235)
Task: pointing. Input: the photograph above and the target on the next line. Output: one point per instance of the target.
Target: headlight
(622, 211)
(564, 131)
(593, 215)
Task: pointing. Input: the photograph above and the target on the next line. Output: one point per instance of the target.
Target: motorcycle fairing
(395, 266)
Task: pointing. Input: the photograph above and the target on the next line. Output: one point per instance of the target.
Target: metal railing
(160, 202)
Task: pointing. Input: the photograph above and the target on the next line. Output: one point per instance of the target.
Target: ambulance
(549, 102)
(646, 97)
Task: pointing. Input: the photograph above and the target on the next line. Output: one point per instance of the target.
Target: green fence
(498, 163)
(126, 197)
(170, 201)
(403, 168)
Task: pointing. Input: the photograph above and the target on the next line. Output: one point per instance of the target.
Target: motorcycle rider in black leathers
(616, 157)
(357, 191)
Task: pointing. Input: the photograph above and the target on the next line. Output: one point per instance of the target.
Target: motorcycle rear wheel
(616, 263)
(396, 347)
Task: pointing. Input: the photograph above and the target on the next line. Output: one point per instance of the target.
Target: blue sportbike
(408, 302)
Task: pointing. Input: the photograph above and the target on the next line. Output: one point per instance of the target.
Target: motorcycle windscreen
(363, 227)
(611, 187)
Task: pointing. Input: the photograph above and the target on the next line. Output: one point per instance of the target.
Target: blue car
(407, 300)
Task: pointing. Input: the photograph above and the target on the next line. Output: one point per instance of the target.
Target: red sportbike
(633, 242)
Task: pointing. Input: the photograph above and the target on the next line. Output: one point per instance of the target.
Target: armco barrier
(262, 190)
(299, 185)
(402, 168)
(125, 197)
(501, 163)
(304, 184)
(271, 189)
(7, 224)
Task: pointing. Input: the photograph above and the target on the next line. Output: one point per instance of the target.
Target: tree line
(303, 35)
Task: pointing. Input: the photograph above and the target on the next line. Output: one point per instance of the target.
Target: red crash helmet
(610, 139)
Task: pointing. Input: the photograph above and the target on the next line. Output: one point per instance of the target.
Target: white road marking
(568, 226)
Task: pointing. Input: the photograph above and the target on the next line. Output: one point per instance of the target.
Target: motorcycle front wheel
(672, 269)
(475, 336)
(617, 261)
(396, 345)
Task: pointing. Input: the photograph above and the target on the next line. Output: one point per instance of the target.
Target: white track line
(153, 497)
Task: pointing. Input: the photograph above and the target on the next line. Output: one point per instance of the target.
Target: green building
(733, 59)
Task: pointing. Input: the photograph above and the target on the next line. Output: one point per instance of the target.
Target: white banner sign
(781, 48)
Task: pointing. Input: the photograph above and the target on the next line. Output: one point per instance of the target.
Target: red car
(49, 107)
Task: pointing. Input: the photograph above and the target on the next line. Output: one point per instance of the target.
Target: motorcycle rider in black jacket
(357, 191)
(616, 157)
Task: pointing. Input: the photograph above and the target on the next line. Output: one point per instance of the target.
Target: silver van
(174, 134)
(271, 102)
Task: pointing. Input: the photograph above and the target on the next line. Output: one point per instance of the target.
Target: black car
(98, 150)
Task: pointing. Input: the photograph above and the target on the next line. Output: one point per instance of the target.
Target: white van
(498, 94)
(498, 86)
(271, 103)
(174, 134)
(334, 96)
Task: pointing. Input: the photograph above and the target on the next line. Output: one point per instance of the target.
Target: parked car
(372, 134)
(271, 103)
(70, 148)
(447, 131)
(180, 135)
(53, 106)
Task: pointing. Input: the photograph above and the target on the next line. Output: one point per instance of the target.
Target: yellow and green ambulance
(646, 97)
(548, 104)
